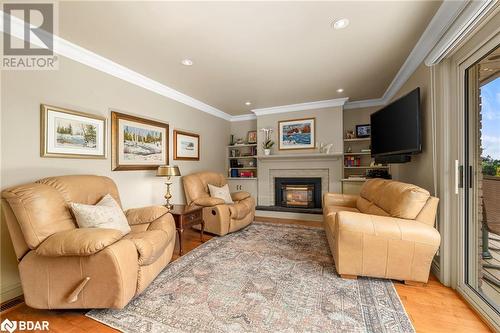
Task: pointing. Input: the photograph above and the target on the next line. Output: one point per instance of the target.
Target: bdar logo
(8, 325)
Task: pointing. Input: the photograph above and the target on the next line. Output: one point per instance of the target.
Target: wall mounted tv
(396, 130)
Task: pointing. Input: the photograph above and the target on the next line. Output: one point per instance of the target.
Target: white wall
(75, 86)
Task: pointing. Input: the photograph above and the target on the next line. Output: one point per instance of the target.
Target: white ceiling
(269, 53)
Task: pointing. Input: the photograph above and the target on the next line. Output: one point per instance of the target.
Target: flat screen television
(396, 129)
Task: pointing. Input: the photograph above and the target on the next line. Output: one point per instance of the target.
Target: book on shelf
(352, 161)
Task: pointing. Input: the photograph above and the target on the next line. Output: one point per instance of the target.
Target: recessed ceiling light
(340, 90)
(187, 62)
(248, 103)
(340, 23)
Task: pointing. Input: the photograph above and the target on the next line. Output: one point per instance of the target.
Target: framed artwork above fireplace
(297, 134)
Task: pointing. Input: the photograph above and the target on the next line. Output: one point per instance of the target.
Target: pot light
(340, 23)
(187, 62)
(248, 103)
(340, 90)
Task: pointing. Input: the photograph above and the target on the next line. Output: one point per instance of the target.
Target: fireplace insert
(298, 192)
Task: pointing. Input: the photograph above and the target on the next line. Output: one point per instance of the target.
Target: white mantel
(309, 157)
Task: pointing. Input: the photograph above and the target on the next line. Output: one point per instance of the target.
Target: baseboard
(11, 292)
(289, 215)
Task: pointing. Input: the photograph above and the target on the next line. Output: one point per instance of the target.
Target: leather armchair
(220, 218)
(62, 266)
(386, 232)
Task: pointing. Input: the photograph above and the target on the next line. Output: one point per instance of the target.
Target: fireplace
(298, 192)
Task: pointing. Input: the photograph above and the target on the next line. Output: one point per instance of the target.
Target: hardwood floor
(432, 308)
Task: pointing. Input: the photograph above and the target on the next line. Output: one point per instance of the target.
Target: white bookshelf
(350, 183)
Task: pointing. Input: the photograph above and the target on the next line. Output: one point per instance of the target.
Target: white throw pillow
(107, 213)
(221, 193)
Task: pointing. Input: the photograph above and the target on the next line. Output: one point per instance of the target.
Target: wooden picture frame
(301, 134)
(66, 133)
(183, 143)
(138, 143)
(252, 137)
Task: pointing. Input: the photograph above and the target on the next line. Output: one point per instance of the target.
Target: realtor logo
(9, 326)
(28, 41)
(23, 325)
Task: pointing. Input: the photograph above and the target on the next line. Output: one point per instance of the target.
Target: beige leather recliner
(62, 266)
(220, 218)
(386, 232)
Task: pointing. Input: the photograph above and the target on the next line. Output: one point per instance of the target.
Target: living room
(250, 166)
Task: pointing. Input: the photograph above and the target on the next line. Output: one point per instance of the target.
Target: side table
(185, 216)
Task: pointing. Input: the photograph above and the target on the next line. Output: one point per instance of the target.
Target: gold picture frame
(67, 133)
(179, 154)
(300, 139)
(138, 143)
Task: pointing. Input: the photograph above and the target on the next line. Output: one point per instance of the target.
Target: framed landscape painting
(186, 146)
(71, 134)
(297, 134)
(137, 143)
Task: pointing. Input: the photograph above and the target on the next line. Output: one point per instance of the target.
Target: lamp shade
(168, 170)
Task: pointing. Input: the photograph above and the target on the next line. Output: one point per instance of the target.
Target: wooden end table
(185, 216)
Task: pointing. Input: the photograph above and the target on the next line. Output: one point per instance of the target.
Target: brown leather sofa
(220, 218)
(386, 232)
(63, 266)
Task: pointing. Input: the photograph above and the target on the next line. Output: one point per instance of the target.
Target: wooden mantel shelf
(317, 156)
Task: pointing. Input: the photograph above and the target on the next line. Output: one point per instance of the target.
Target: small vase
(267, 152)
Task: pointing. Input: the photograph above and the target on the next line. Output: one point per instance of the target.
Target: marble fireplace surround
(328, 169)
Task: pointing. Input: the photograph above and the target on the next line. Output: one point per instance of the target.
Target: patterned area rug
(265, 278)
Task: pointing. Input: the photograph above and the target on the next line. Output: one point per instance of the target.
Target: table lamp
(168, 171)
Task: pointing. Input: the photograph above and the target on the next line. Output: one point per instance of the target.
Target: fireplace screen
(298, 196)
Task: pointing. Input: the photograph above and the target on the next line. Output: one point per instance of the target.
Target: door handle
(459, 171)
(471, 174)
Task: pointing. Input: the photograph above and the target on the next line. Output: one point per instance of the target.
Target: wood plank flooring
(432, 308)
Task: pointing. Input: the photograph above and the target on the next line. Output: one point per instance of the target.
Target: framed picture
(186, 146)
(252, 137)
(71, 134)
(363, 131)
(137, 143)
(297, 134)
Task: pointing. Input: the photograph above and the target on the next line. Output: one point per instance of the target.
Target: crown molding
(77, 53)
(459, 29)
(366, 103)
(244, 117)
(301, 106)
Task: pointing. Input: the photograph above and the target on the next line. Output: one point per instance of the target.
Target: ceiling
(269, 53)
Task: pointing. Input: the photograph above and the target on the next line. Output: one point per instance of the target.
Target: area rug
(265, 278)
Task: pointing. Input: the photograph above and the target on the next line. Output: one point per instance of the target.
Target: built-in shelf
(353, 180)
(245, 168)
(243, 178)
(244, 145)
(367, 167)
(357, 140)
(355, 154)
(241, 157)
(299, 156)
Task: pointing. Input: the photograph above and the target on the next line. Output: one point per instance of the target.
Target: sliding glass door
(480, 181)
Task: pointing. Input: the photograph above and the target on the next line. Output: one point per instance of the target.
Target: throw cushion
(105, 214)
(221, 193)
